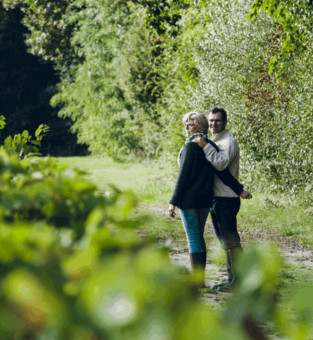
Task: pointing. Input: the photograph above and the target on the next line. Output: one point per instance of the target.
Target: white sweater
(228, 156)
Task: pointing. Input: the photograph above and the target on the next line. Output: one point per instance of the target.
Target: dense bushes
(44, 190)
(271, 117)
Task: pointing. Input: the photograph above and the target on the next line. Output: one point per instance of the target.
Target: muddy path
(292, 250)
(293, 254)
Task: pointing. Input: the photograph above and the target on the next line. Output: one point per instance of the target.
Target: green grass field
(264, 216)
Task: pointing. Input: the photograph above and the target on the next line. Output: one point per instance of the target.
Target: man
(193, 192)
(226, 203)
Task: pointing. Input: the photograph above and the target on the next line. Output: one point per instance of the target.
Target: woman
(193, 192)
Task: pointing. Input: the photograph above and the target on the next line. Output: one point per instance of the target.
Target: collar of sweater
(219, 135)
(195, 135)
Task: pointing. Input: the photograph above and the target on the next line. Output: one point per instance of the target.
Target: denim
(224, 219)
(194, 222)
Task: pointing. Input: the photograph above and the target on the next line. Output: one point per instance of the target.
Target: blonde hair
(198, 119)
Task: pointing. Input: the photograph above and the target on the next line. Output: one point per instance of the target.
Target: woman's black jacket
(194, 184)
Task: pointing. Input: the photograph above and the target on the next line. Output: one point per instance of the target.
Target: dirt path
(293, 254)
(292, 251)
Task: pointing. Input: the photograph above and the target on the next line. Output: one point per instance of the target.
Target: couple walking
(207, 183)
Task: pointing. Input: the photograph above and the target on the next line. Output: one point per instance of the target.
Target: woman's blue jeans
(194, 222)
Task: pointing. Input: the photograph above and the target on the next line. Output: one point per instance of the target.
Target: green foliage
(258, 281)
(27, 83)
(108, 285)
(73, 267)
(99, 291)
(257, 295)
(270, 118)
(113, 103)
(119, 57)
(164, 16)
(49, 26)
(87, 294)
(294, 18)
(130, 70)
(2, 122)
(41, 190)
(23, 143)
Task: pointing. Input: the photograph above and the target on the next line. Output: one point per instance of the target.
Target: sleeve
(229, 180)
(186, 160)
(222, 158)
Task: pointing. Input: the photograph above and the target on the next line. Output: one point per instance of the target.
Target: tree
(233, 59)
(49, 29)
(294, 17)
(115, 96)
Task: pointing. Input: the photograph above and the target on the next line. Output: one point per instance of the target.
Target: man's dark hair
(217, 109)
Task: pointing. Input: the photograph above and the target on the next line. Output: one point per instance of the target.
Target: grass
(278, 215)
(152, 182)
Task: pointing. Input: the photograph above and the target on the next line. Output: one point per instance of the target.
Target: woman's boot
(198, 262)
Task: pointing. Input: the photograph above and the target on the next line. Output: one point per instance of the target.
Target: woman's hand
(171, 211)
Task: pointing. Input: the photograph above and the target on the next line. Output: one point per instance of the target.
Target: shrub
(44, 190)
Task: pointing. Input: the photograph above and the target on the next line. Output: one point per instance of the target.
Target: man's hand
(245, 194)
(200, 141)
(171, 211)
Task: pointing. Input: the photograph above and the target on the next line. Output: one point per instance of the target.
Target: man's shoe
(227, 287)
(223, 283)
